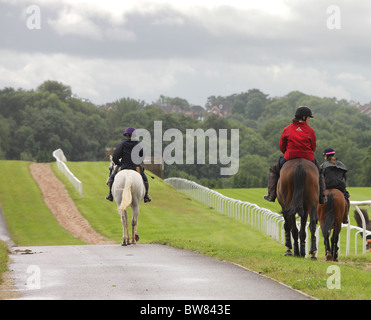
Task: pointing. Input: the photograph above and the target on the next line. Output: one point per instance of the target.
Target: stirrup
(147, 198)
(109, 197)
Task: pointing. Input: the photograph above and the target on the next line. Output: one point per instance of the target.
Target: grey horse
(128, 191)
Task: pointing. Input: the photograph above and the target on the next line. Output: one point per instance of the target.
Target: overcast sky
(107, 50)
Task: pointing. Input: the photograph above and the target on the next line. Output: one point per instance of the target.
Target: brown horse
(298, 192)
(331, 215)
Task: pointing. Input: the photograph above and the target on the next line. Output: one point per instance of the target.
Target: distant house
(195, 112)
(172, 109)
(366, 109)
(221, 109)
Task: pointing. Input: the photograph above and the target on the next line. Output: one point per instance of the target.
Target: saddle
(137, 169)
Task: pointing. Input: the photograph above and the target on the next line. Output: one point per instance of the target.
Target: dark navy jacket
(123, 151)
(335, 175)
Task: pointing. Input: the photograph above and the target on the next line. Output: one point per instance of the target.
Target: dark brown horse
(298, 192)
(331, 215)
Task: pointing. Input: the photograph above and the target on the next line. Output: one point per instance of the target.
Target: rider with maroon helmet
(122, 157)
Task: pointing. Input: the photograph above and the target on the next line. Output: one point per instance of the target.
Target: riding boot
(146, 197)
(274, 174)
(109, 196)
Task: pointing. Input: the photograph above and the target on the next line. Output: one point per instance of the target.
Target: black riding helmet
(328, 152)
(303, 111)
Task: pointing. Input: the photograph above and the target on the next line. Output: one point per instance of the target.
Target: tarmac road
(135, 272)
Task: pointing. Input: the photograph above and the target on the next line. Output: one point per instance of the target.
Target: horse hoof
(313, 258)
(123, 244)
(329, 257)
(288, 253)
(137, 237)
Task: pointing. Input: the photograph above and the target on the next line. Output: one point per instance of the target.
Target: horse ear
(110, 157)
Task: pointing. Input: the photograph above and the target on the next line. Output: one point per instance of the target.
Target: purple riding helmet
(129, 130)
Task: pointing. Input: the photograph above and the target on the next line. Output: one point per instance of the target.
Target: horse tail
(296, 204)
(330, 216)
(365, 214)
(126, 194)
(358, 218)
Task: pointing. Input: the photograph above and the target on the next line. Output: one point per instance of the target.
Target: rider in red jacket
(298, 140)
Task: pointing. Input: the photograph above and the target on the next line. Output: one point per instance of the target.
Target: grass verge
(3, 259)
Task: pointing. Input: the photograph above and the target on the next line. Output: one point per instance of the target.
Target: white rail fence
(61, 159)
(263, 219)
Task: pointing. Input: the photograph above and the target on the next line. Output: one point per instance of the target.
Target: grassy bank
(3, 259)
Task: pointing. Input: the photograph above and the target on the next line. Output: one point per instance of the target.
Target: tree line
(33, 123)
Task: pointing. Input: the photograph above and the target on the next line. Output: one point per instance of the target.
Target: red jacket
(298, 140)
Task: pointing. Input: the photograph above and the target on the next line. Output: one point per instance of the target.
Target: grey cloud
(219, 33)
(229, 49)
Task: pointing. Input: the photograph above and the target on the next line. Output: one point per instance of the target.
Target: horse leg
(334, 246)
(313, 246)
(328, 249)
(303, 234)
(295, 236)
(288, 245)
(134, 225)
(125, 228)
(334, 242)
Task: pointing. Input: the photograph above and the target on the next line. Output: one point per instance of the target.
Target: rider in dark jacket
(335, 173)
(122, 157)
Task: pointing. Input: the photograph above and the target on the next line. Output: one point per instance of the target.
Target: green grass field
(176, 220)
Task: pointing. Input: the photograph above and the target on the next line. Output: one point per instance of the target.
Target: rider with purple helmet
(123, 159)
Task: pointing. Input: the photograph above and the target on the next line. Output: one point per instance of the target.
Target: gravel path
(62, 206)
